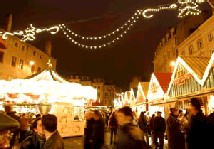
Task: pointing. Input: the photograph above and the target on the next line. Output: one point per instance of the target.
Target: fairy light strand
(184, 8)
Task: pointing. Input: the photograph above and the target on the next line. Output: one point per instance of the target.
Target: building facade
(19, 59)
(201, 42)
(105, 92)
(170, 47)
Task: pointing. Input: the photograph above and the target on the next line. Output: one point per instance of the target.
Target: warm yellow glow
(172, 63)
(31, 63)
(157, 93)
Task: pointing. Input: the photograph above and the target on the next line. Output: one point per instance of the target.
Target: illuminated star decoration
(188, 8)
(30, 32)
(185, 8)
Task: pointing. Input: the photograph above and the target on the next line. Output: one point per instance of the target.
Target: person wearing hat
(175, 136)
(6, 124)
(196, 135)
(159, 130)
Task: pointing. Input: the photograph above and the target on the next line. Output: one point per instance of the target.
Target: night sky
(131, 56)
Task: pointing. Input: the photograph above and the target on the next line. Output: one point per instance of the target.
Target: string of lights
(185, 8)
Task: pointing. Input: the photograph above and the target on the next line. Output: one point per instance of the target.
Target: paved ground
(77, 142)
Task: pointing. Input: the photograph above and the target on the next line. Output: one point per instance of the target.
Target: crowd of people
(39, 133)
(190, 130)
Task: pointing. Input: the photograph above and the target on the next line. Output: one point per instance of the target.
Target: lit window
(210, 37)
(33, 68)
(1, 56)
(13, 62)
(191, 50)
(23, 48)
(200, 44)
(38, 69)
(21, 63)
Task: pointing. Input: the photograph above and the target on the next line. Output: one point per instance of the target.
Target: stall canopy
(158, 86)
(46, 86)
(191, 75)
(142, 92)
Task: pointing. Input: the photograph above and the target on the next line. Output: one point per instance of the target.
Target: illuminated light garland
(185, 8)
(30, 32)
(132, 20)
(172, 6)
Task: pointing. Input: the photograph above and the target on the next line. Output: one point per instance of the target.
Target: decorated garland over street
(185, 8)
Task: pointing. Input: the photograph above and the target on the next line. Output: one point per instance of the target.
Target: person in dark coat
(94, 137)
(196, 135)
(36, 139)
(175, 136)
(53, 138)
(112, 124)
(129, 135)
(159, 130)
(143, 125)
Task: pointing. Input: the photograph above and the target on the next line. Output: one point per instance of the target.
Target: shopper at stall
(52, 136)
(151, 127)
(6, 124)
(36, 139)
(129, 135)
(15, 131)
(196, 135)
(24, 124)
(159, 130)
(143, 125)
(174, 135)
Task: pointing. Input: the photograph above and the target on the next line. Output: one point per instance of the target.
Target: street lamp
(32, 63)
(172, 64)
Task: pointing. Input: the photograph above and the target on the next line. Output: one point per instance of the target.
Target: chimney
(48, 47)
(9, 22)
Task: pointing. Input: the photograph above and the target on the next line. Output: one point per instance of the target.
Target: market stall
(192, 77)
(47, 92)
(158, 86)
(141, 100)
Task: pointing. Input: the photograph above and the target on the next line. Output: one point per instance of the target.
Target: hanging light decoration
(185, 8)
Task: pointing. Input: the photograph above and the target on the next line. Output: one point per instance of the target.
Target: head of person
(49, 123)
(38, 115)
(174, 111)
(159, 113)
(124, 115)
(8, 109)
(97, 115)
(37, 126)
(142, 114)
(195, 106)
